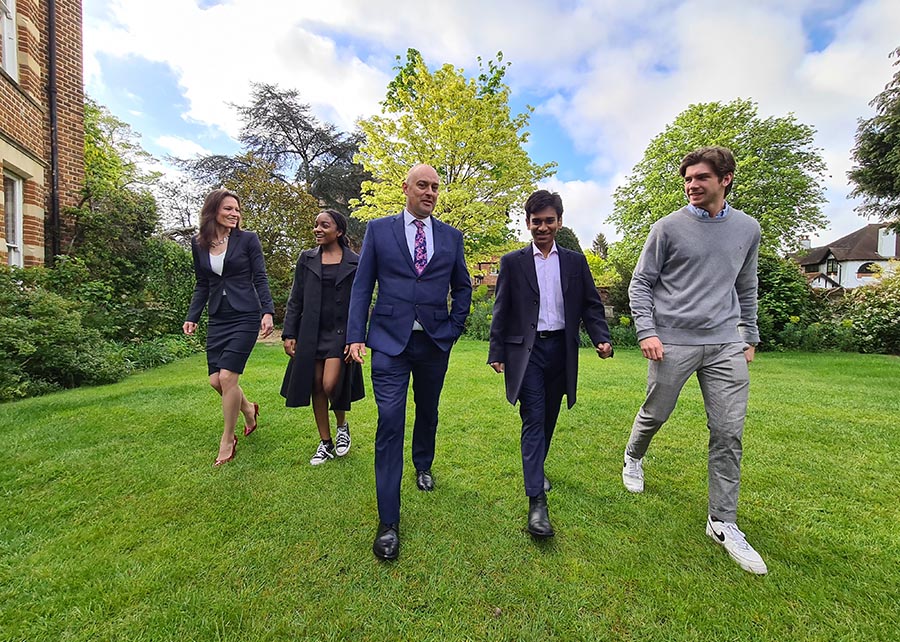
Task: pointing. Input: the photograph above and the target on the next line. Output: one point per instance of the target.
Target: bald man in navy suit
(416, 260)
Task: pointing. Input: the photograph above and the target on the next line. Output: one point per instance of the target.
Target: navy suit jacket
(404, 296)
(243, 279)
(516, 303)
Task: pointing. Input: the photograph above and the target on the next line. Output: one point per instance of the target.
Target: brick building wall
(25, 127)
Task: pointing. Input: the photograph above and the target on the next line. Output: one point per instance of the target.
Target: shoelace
(322, 451)
(343, 435)
(634, 468)
(736, 535)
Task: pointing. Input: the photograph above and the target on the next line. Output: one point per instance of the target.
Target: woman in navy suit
(231, 281)
(315, 335)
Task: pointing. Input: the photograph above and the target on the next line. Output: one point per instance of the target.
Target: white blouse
(217, 263)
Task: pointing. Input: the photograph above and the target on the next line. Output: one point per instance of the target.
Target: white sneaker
(633, 474)
(342, 440)
(323, 453)
(730, 536)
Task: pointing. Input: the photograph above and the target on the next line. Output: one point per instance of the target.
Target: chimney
(804, 242)
(887, 243)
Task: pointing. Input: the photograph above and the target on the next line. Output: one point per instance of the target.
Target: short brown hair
(720, 159)
(208, 213)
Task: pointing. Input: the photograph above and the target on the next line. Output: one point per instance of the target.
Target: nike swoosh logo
(719, 536)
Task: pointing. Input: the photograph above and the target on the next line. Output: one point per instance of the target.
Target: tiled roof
(861, 245)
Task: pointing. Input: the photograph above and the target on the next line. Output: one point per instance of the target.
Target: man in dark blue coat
(416, 261)
(544, 293)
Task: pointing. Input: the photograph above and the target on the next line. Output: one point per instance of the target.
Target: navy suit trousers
(540, 397)
(427, 364)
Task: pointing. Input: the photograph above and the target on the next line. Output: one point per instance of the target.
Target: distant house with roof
(852, 260)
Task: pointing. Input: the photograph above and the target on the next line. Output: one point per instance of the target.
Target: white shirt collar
(409, 218)
(535, 251)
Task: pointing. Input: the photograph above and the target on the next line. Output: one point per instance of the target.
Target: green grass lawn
(115, 526)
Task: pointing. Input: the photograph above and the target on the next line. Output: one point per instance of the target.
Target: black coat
(515, 315)
(301, 322)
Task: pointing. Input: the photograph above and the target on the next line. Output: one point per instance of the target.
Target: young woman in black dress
(231, 281)
(315, 335)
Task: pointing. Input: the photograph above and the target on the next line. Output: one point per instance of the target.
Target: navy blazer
(515, 315)
(243, 279)
(403, 295)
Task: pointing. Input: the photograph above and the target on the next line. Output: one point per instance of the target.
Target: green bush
(44, 344)
(623, 336)
(874, 311)
(161, 350)
(478, 323)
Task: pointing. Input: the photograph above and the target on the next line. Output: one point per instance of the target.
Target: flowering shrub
(874, 311)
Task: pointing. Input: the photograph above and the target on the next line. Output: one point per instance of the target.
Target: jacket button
(340, 332)
(532, 325)
(337, 301)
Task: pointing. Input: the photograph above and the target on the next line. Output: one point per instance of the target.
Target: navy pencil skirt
(230, 337)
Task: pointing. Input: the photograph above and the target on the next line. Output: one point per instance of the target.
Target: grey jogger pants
(725, 383)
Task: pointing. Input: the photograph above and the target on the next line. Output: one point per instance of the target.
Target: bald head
(421, 189)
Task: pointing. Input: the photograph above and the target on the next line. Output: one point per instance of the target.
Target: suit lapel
(313, 262)
(234, 243)
(527, 260)
(400, 235)
(563, 270)
(347, 267)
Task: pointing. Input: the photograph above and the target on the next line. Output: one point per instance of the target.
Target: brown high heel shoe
(219, 462)
(249, 429)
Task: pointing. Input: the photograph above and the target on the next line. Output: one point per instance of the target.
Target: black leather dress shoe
(547, 485)
(538, 518)
(387, 541)
(424, 480)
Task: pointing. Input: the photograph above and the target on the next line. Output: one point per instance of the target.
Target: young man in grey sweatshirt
(693, 296)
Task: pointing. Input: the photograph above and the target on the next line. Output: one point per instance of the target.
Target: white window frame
(13, 208)
(10, 38)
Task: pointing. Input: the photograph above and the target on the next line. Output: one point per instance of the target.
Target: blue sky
(604, 76)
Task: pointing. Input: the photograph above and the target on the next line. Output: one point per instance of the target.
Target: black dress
(331, 342)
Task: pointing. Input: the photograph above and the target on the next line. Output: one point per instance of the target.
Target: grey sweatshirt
(695, 283)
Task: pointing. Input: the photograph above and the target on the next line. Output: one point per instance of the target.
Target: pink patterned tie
(419, 248)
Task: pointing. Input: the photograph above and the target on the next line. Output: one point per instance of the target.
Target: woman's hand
(189, 327)
(290, 347)
(266, 325)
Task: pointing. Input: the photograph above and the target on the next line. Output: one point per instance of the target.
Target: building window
(12, 209)
(809, 269)
(831, 267)
(10, 47)
(868, 269)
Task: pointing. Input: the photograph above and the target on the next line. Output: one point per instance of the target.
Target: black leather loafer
(424, 480)
(387, 541)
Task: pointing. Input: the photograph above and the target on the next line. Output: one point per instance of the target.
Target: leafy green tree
(599, 246)
(877, 155)
(281, 213)
(566, 238)
(604, 273)
(117, 213)
(778, 179)
(464, 129)
(783, 293)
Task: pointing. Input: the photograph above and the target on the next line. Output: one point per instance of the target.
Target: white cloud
(612, 73)
(586, 204)
(181, 147)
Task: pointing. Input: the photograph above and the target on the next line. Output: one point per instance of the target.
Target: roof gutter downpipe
(55, 223)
